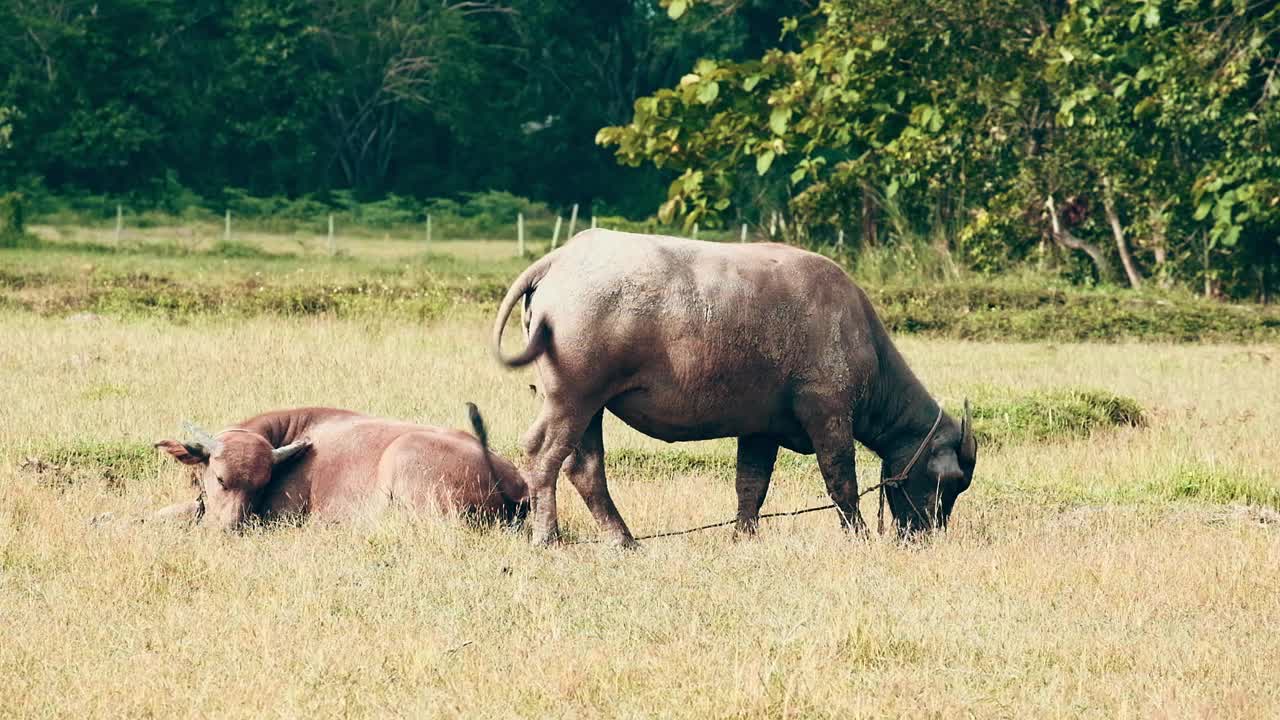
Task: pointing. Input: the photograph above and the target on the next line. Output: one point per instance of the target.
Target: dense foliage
(1132, 140)
(1127, 141)
(421, 98)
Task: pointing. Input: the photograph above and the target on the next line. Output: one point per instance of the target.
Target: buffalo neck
(897, 412)
(281, 427)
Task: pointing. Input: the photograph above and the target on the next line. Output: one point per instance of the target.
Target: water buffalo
(689, 340)
(328, 463)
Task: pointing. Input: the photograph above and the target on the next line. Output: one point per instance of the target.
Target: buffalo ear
(185, 454)
(968, 443)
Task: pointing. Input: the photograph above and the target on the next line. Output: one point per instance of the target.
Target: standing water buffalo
(689, 340)
(329, 463)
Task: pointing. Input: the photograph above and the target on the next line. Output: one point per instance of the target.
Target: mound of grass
(236, 249)
(227, 249)
(114, 464)
(148, 295)
(1002, 418)
(1016, 313)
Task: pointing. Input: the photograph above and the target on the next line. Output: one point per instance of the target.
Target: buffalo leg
(832, 438)
(187, 511)
(756, 456)
(586, 471)
(550, 441)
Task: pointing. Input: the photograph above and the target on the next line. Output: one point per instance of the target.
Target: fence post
(840, 237)
(226, 232)
(593, 222)
(520, 234)
(573, 222)
(695, 231)
(119, 222)
(428, 229)
(555, 234)
(744, 233)
(333, 245)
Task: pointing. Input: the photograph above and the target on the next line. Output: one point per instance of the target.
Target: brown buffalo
(688, 340)
(329, 463)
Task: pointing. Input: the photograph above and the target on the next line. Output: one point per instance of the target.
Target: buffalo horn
(201, 439)
(968, 444)
(285, 452)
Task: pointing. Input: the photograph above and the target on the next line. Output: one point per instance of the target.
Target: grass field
(1125, 571)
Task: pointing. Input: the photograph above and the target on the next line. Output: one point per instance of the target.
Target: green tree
(1172, 110)
(1141, 134)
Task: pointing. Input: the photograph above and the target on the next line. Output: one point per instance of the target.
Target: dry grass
(1071, 584)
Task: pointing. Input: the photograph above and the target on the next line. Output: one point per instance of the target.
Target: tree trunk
(1117, 231)
(941, 233)
(868, 217)
(1063, 237)
(1160, 243)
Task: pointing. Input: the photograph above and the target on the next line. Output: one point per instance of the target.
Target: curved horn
(968, 443)
(281, 454)
(200, 438)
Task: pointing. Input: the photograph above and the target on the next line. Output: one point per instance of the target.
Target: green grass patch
(112, 464)
(408, 292)
(171, 279)
(235, 249)
(1001, 417)
(1215, 484)
(675, 462)
(667, 463)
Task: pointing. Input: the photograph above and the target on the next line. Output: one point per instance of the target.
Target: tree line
(421, 98)
(1126, 141)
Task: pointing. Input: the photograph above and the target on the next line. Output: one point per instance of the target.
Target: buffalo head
(923, 500)
(232, 470)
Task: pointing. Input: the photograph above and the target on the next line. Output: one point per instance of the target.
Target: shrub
(236, 249)
(13, 227)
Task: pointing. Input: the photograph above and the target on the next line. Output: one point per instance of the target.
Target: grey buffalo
(689, 340)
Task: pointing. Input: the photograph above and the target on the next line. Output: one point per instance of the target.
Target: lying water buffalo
(688, 340)
(328, 463)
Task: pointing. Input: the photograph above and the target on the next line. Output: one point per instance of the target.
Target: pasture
(1106, 571)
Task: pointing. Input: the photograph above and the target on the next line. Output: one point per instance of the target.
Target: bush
(12, 220)
(13, 226)
(486, 214)
(236, 249)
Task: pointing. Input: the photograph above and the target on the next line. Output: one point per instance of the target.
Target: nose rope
(892, 482)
